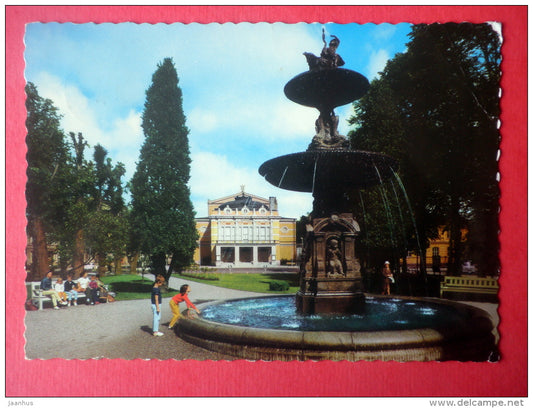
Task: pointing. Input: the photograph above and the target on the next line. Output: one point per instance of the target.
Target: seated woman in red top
(176, 300)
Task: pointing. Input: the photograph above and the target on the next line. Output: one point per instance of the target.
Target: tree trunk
(404, 263)
(79, 254)
(100, 260)
(159, 264)
(63, 264)
(133, 261)
(40, 263)
(118, 266)
(455, 243)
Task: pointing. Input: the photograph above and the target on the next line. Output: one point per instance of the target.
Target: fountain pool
(391, 328)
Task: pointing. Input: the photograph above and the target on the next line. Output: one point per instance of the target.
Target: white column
(255, 257)
(273, 255)
(217, 252)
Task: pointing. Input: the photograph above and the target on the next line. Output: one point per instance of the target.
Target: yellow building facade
(244, 230)
(437, 253)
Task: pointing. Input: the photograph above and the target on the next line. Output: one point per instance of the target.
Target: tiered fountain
(330, 317)
(330, 273)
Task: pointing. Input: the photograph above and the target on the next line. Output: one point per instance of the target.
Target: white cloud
(377, 61)
(214, 176)
(122, 138)
(72, 105)
(385, 32)
(125, 140)
(202, 121)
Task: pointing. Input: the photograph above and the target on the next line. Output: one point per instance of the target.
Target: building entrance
(264, 254)
(246, 254)
(227, 254)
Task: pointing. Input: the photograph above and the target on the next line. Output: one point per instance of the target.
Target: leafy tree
(107, 230)
(82, 189)
(75, 204)
(162, 213)
(435, 108)
(46, 157)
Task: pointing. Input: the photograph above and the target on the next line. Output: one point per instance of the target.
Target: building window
(246, 254)
(227, 210)
(245, 211)
(228, 233)
(284, 229)
(227, 254)
(263, 254)
(435, 251)
(261, 234)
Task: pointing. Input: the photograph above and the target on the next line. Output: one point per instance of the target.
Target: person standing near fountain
(156, 304)
(387, 278)
(176, 300)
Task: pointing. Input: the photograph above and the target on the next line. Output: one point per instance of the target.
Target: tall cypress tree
(162, 212)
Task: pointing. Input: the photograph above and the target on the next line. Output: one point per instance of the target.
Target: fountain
(330, 317)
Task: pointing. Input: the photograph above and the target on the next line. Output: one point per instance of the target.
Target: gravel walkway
(117, 330)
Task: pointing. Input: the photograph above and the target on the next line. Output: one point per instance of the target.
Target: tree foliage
(435, 108)
(46, 158)
(74, 204)
(162, 214)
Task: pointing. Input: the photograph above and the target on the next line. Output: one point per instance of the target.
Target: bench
(35, 294)
(469, 288)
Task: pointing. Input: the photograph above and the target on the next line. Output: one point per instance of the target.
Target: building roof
(244, 200)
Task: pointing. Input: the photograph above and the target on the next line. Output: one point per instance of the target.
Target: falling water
(400, 215)
(387, 208)
(413, 220)
(363, 208)
(282, 176)
(314, 177)
(409, 207)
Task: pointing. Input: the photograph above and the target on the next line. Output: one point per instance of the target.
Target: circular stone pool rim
(473, 340)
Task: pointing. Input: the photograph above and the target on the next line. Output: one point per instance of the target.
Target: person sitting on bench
(46, 287)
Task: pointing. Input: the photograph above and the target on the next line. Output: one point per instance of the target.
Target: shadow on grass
(291, 278)
(132, 287)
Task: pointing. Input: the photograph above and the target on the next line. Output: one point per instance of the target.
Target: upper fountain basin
(326, 89)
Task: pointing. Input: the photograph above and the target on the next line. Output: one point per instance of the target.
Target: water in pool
(279, 312)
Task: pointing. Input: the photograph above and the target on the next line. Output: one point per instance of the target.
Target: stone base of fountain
(469, 339)
(330, 273)
(327, 302)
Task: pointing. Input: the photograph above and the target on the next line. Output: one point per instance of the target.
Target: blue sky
(232, 77)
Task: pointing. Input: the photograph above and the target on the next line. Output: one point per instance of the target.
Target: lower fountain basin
(392, 328)
(306, 171)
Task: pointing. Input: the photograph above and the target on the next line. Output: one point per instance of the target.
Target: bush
(279, 286)
(200, 275)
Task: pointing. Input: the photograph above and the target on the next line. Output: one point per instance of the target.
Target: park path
(124, 329)
(117, 330)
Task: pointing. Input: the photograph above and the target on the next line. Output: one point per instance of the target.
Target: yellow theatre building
(244, 230)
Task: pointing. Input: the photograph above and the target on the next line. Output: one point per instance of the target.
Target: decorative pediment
(336, 223)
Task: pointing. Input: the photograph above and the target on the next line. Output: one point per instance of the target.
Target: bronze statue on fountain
(330, 273)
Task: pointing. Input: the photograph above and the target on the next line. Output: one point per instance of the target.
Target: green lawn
(129, 287)
(251, 282)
